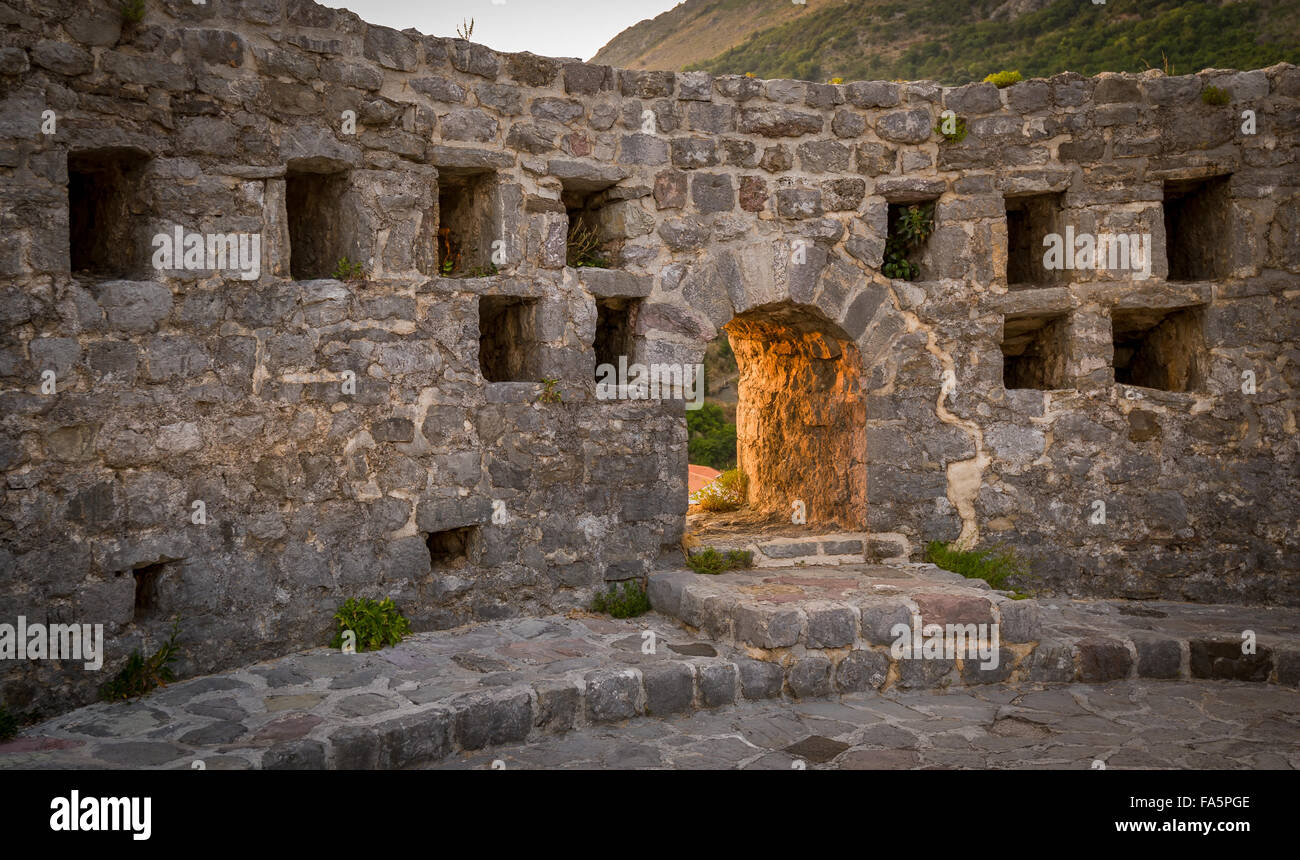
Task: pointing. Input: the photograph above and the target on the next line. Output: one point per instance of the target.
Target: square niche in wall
(508, 345)
(583, 201)
(321, 216)
(1034, 351)
(615, 323)
(909, 227)
(1029, 219)
(103, 206)
(469, 221)
(1198, 228)
(450, 549)
(1162, 348)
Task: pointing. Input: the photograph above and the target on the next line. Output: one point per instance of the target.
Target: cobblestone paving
(1124, 724)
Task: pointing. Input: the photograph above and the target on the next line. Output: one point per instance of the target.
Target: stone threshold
(828, 549)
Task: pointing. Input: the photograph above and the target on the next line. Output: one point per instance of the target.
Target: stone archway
(801, 418)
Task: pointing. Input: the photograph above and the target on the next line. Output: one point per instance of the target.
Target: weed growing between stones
(1215, 96)
(550, 391)
(631, 602)
(709, 561)
(8, 725)
(140, 674)
(952, 129)
(375, 623)
(346, 270)
(996, 565)
(1003, 79)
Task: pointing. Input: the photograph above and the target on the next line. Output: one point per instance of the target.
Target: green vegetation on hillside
(711, 438)
(953, 42)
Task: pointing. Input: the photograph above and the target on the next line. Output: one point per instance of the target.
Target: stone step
(828, 549)
(435, 694)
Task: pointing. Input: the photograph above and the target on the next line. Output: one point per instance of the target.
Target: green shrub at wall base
(376, 623)
(633, 601)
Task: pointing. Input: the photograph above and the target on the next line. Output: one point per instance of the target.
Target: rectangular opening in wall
(1162, 348)
(1198, 226)
(103, 202)
(469, 221)
(507, 346)
(615, 322)
(1029, 219)
(450, 549)
(910, 224)
(1034, 351)
(583, 201)
(320, 219)
(147, 581)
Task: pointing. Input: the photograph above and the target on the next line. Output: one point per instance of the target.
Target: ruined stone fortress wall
(718, 198)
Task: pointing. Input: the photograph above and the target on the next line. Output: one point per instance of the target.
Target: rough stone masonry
(247, 452)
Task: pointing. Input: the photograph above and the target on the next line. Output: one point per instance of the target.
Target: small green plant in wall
(142, 674)
(628, 603)
(551, 391)
(1215, 96)
(346, 270)
(373, 624)
(951, 127)
(1002, 80)
(909, 228)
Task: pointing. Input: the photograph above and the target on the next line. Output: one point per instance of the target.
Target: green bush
(8, 725)
(1002, 80)
(1215, 96)
(628, 604)
(711, 439)
(140, 674)
(376, 623)
(996, 565)
(710, 561)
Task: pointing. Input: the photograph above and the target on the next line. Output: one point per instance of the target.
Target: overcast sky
(555, 28)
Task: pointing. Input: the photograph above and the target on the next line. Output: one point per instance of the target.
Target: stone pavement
(651, 692)
(1126, 724)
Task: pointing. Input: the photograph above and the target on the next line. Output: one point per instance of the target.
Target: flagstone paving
(1121, 725)
(583, 690)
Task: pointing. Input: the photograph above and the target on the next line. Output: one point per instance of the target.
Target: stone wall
(341, 435)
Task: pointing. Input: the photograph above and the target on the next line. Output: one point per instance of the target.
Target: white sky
(555, 28)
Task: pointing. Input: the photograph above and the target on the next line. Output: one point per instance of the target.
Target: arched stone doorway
(801, 419)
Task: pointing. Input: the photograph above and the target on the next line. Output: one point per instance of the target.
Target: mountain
(955, 41)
